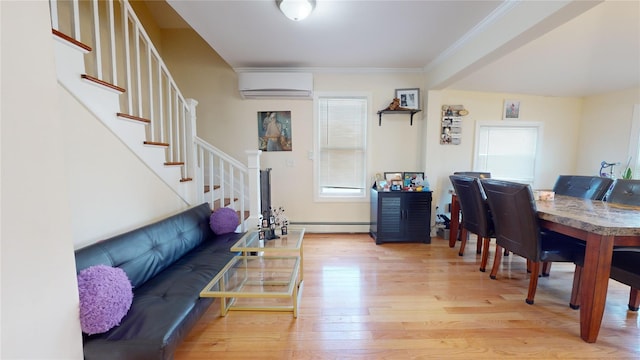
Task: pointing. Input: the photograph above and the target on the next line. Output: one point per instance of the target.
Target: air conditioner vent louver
(256, 85)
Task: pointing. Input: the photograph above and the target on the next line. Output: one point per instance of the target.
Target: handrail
(221, 153)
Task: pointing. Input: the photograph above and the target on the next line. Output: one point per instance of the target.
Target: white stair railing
(123, 55)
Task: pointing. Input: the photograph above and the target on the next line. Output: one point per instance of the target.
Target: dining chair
(624, 269)
(586, 187)
(516, 228)
(476, 217)
(624, 260)
(479, 175)
(625, 192)
(581, 186)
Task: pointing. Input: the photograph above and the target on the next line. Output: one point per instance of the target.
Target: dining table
(602, 225)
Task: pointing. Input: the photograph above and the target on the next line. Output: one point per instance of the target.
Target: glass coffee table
(266, 283)
(250, 243)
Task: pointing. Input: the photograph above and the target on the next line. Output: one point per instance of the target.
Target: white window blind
(508, 150)
(341, 146)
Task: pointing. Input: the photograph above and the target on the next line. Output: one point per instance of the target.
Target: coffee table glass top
(251, 242)
(255, 276)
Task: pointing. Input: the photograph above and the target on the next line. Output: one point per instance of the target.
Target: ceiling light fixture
(296, 10)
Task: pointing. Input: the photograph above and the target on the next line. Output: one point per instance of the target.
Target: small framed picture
(511, 110)
(396, 185)
(409, 98)
(265, 223)
(284, 230)
(391, 176)
(413, 179)
(261, 235)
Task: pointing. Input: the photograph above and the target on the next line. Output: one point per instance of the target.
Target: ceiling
(583, 48)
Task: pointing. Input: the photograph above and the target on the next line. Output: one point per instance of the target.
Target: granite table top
(593, 216)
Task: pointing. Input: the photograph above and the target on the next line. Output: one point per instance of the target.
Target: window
(340, 159)
(508, 149)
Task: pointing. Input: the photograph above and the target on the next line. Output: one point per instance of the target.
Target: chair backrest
(475, 210)
(625, 192)
(587, 187)
(514, 216)
(478, 174)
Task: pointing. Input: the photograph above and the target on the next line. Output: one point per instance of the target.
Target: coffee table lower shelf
(267, 279)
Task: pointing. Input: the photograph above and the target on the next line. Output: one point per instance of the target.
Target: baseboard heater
(333, 226)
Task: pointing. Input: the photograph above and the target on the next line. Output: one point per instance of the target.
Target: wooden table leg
(594, 284)
(455, 220)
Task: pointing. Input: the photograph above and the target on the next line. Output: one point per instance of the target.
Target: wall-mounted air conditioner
(264, 85)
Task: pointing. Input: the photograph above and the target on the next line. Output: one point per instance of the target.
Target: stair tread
(207, 188)
(103, 83)
(227, 202)
(156, 143)
(71, 40)
(133, 117)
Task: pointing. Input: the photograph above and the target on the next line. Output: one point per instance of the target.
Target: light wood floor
(415, 301)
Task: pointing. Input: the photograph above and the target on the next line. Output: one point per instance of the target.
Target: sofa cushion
(105, 297)
(224, 220)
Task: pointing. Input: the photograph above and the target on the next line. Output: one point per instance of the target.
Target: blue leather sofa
(168, 263)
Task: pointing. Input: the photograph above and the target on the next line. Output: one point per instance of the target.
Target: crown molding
(342, 70)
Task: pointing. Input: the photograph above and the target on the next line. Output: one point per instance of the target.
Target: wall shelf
(396, 112)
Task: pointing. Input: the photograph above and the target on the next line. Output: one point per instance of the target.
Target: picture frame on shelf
(409, 98)
(391, 176)
(511, 110)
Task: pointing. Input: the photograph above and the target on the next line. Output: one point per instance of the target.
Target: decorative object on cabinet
(409, 98)
(400, 216)
(412, 180)
(390, 176)
(451, 126)
(511, 110)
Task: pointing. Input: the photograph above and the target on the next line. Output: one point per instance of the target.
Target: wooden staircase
(143, 107)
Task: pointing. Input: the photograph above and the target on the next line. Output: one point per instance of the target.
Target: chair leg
(497, 258)
(533, 282)
(574, 303)
(479, 245)
(485, 253)
(634, 299)
(464, 234)
(506, 252)
(546, 268)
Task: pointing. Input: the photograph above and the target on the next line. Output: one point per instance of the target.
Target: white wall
(110, 189)
(231, 124)
(39, 290)
(560, 118)
(606, 125)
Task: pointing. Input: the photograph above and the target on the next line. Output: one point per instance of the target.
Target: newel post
(196, 193)
(253, 164)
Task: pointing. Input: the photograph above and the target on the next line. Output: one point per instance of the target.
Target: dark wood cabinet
(400, 216)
